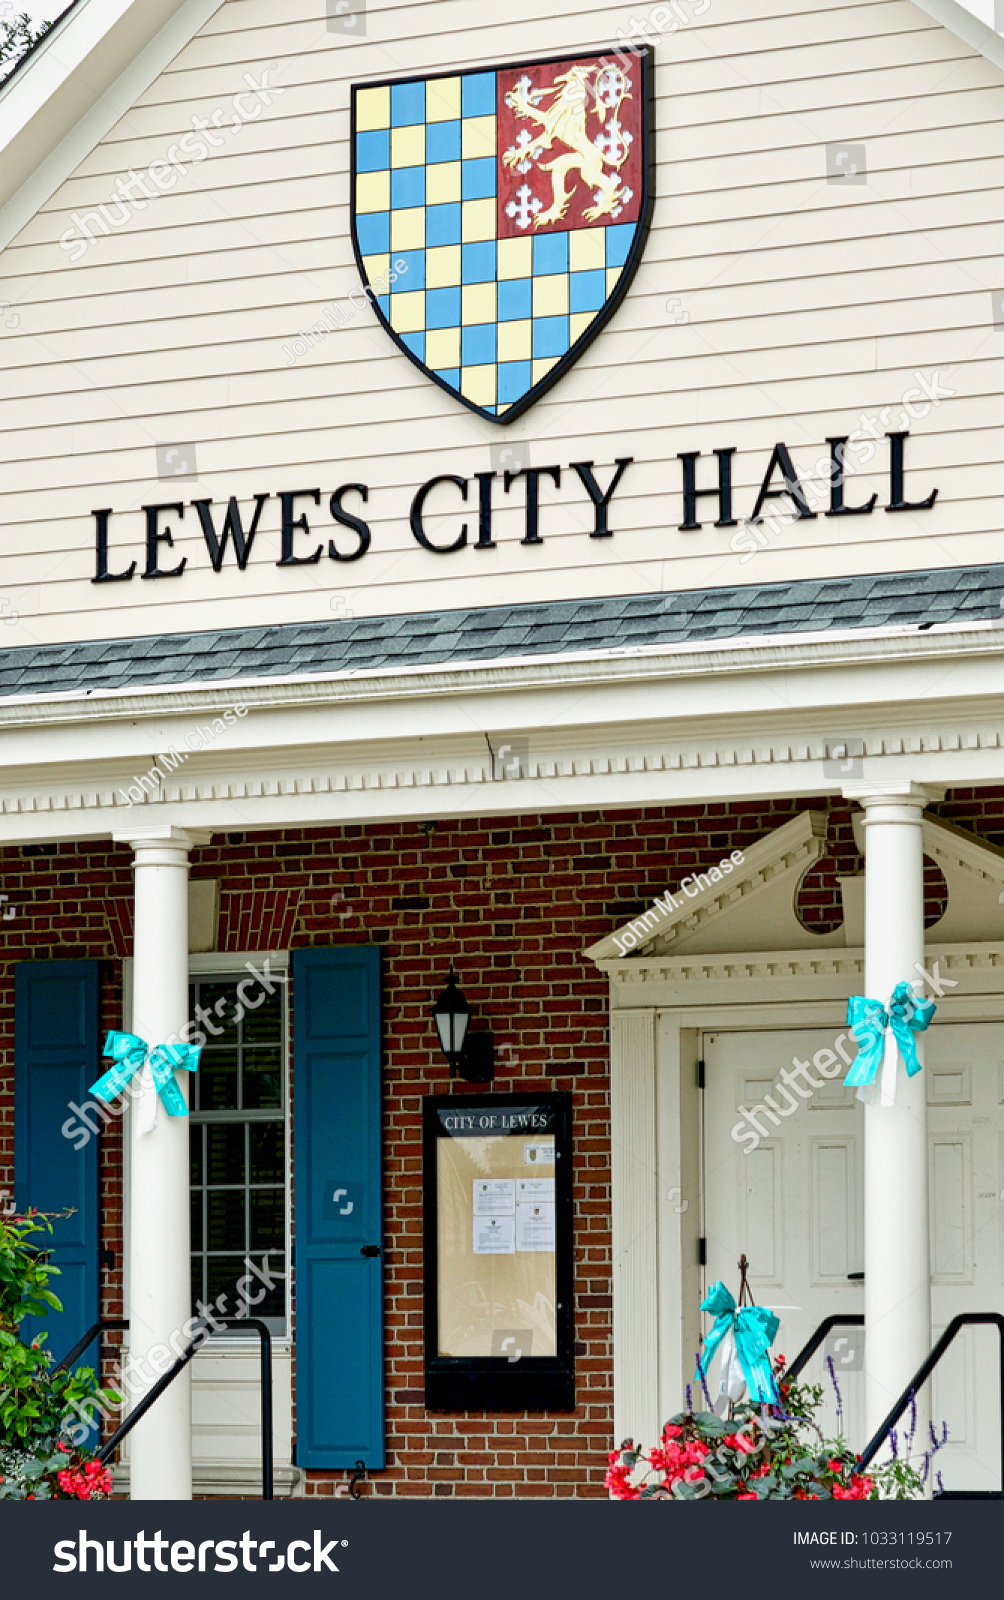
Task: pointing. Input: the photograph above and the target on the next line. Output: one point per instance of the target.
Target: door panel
(795, 1205)
(965, 1063)
(834, 1210)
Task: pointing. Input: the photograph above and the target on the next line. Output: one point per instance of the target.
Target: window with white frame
(239, 1164)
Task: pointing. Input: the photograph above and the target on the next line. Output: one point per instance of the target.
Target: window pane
(195, 1155)
(223, 1274)
(225, 1219)
(225, 1152)
(268, 1156)
(267, 1220)
(263, 1025)
(262, 1077)
(217, 1080)
(241, 1066)
(219, 1000)
(274, 1303)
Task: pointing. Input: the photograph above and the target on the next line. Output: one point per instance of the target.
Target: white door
(965, 1099)
(794, 1204)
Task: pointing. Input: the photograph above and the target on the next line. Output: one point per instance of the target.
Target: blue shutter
(56, 1057)
(336, 1153)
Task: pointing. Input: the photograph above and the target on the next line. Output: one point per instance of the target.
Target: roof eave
(966, 27)
(74, 86)
(742, 655)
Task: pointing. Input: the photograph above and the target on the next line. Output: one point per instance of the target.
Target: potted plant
(764, 1453)
(43, 1449)
(763, 1441)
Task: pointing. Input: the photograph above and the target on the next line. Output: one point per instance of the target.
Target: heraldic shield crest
(498, 216)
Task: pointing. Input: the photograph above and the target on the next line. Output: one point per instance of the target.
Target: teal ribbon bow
(131, 1053)
(907, 1014)
(753, 1329)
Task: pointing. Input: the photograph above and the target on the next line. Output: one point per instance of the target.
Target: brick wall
(513, 902)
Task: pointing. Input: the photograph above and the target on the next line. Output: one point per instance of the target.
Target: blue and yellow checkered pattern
(490, 317)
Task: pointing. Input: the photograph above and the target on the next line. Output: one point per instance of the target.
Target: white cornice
(667, 726)
(972, 968)
(569, 669)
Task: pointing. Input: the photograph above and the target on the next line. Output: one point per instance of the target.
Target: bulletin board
(498, 1252)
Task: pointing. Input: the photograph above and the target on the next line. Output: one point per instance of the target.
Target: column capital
(160, 835)
(908, 797)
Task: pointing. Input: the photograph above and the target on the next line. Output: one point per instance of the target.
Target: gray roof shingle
(437, 638)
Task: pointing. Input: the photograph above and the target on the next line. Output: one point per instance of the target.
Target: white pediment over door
(752, 906)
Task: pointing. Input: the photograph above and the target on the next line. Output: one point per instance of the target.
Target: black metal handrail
(265, 1339)
(992, 1319)
(808, 1351)
(113, 1324)
(966, 1319)
(154, 1394)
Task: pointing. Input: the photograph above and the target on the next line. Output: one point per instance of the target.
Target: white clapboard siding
(809, 305)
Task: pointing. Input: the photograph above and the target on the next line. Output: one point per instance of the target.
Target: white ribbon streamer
(732, 1384)
(148, 1098)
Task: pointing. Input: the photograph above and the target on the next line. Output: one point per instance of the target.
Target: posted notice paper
(535, 1227)
(535, 1189)
(494, 1197)
(494, 1236)
(538, 1155)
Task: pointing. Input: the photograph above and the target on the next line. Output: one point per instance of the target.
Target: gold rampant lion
(565, 121)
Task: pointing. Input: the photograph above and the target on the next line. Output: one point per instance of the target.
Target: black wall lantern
(471, 1055)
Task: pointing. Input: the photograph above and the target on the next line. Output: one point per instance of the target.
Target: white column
(897, 1245)
(160, 1447)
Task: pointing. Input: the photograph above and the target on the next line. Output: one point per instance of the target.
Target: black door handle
(370, 1250)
